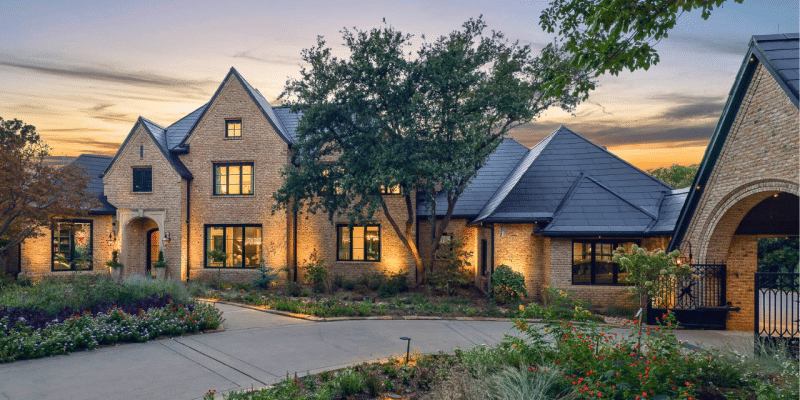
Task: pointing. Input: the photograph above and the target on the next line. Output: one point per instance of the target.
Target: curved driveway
(255, 349)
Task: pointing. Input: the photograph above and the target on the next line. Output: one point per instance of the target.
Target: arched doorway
(142, 242)
(152, 251)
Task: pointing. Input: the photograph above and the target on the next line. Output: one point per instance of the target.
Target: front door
(152, 251)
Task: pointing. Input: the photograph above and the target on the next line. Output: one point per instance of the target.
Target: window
(592, 263)
(234, 179)
(237, 246)
(396, 189)
(358, 243)
(233, 128)
(143, 179)
(72, 245)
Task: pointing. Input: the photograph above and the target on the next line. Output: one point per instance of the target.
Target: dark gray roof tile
(94, 165)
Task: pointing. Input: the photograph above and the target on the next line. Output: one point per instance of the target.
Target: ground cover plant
(59, 316)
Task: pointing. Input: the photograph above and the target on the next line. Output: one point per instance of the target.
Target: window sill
(231, 195)
(232, 138)
(138, 193)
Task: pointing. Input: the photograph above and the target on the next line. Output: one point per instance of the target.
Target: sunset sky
(83, 71)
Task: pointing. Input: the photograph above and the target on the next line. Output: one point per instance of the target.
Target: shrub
(293, 289)
(525, 383)
(652, 273)
(372, 281)
(452, 272)
(266, 276)
(316, 272)
(394, 284)
(349, 382)
(507, 285)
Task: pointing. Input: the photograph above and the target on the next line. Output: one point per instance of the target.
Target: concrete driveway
(255, 349)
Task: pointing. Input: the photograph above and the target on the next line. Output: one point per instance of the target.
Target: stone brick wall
(460, 231)
(516, 247)
(260, 145)
(37, 252)
(759, 159)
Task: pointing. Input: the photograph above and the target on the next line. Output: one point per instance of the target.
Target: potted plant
(160, 266)
(218, 257)
(114, 265)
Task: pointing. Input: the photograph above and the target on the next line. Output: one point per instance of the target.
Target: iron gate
(697, 299)
(777, 308)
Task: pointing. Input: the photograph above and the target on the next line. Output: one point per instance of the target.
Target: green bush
(265, 277)
(507, 285)
(293, 289)
(372, 281)
(316, 272)
(451, 272)
(394, 284)
(349, 382)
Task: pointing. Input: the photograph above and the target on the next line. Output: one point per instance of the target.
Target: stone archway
(134, 231)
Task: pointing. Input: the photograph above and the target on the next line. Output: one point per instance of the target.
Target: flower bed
(88, 330)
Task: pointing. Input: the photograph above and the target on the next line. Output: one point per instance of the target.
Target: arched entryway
(140, 247)
(153, 247)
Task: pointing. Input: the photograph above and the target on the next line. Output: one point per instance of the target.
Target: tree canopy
(616, 35)
(391, 119)
(677, 176)
(33, 192)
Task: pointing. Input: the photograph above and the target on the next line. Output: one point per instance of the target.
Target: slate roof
(485, 183)
(94, 165)
(571, 187)
(289, 120)
(779, 54)
(178, 131)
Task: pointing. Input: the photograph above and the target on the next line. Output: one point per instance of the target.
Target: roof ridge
(151, 121)
(186, 116)
(568, 195)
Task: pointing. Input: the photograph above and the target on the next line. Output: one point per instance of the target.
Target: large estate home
(554, 212)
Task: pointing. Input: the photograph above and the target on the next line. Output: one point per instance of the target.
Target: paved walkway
(255, 349)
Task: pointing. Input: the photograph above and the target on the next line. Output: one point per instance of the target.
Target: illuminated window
(233, 179)
(233, 128)
(143, 179)
(592, 263)
(72, 245)
(358, 243)
(391, 189)
(239, 246)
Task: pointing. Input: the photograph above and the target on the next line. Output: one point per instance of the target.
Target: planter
(161, 273)
(116, 272)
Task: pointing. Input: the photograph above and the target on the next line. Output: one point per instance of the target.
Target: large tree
(616, 35)
(677, 176)
(412, 122)
(33, 193)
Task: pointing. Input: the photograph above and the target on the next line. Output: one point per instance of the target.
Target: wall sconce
(166, 239)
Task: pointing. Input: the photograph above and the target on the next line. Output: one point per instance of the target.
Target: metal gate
(698, 299)
(777, 308)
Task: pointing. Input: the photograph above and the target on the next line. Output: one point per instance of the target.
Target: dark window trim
(615, 244)
(52, 239)
(205, 243)
(227, 184)
(241, 128)
(380, 243)
(133, 181)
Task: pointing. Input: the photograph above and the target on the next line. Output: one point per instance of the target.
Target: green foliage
(393, 285)
(160, 263)
(217, 256)
(778, 255)
(651, 273)
(451, 271)
(348, 383)
(560, 304)
(677, 176)
(523, 383)
(266, 275)
(428, 119)
(293, 289)
(114, 263)
(616, 35)
(507, 285)
(316, 272)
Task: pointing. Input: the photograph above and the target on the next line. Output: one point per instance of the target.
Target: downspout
(294, 245)
(188, 239)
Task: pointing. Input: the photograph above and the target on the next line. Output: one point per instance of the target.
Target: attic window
(233, 128)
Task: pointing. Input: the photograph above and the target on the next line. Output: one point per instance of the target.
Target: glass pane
(216, 241)
(247, 189)
(358, 243)
(234, 245)
(234, 170)
(252, 247)
(622, 277)
(581, 263)
(247, 170)
(372, 242)
(83, 244)
(344, 243)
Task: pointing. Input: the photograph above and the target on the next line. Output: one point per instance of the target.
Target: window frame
(224, 239)
(133, 180)
(615, 243)
(227, 179)
(365, 226)
(52, 245)
(229, 121)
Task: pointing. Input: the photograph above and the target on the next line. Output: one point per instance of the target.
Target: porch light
(166, 239)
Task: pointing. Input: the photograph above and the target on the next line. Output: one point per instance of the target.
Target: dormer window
(233, 129)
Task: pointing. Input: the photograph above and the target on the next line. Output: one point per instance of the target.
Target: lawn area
(77, 312)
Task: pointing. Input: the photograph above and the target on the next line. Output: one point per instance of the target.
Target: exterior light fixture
(408, 346)
(166, 239)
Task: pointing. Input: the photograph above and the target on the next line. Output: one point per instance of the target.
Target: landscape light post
(408, 346)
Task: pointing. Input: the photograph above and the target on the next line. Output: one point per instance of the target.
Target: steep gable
(158, 135)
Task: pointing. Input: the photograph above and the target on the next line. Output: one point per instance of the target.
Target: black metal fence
(777, 308)
(698, 299)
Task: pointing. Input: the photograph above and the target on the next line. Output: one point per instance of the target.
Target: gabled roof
(94, 165)
(159, 136)
(485, 183)
(261, 102)
(177, 131)
(779, 55)
(542, 179)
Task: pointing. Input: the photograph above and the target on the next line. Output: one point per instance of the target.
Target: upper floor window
(233, 128)
(358, 243)
(391, 189)
(72, 245)
(233, 178)
(143, 179)
(592, 262)
(233, 246)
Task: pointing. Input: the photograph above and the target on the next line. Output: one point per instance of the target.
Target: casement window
(72, 245)
(233, 179)
(592, 262)
(358, 243)
(143, 179)
(237, 246)
(233, 128)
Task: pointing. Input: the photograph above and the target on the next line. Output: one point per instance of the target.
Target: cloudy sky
(83, 71)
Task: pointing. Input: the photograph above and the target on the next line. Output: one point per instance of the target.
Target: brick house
(554, 212)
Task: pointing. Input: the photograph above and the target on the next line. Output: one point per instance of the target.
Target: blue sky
(82, 72)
